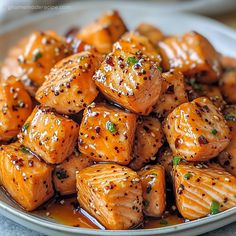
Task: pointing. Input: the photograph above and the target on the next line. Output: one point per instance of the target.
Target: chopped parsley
(214, 131)
(196, 86)
(82, 58)
(37, 55)
(132, 60)
(229, 117)
(111, 127)
(154, 174)
(187, 176)
(25, 127)
(160, 68)
(176, 160)
(163, 222)
(215, 206)
(148, 189)
(24, 150)
(61, 174)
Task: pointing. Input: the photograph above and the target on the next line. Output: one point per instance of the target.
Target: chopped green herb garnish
(195, 85)
(111, 127)
(160, 68)
(24, 150)
(215, 207)
(37, 55)
(145, 203)
(163, 222)
(176, 160)
(25, 127)
(154, 174)
(148, 189)
(187, 176)
(81, 58)
(214, 131)
(132, 60)
(229, 117)
(61, 174)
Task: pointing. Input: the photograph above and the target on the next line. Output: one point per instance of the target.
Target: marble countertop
(10, 228)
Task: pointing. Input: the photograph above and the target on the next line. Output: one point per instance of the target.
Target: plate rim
(4, 207)
(85, 5)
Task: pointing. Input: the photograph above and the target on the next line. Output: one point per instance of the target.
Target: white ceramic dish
(222, 37)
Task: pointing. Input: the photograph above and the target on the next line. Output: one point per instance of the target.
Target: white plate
(81, 13)
(198, 6)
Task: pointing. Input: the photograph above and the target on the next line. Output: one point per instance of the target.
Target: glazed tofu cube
(151, 32)
(103, 32)
(203, 189)
(51, 136)
(27, 179)
(172, 95)
(149, 137)
(228, 86)
(154, 192)
(64, 174)
(73, 76)
(107, 134)
(43, 51)
(130, 75)
(197, 131)
(112, 194)
(227, 158)
(15, 107)
(193, 55)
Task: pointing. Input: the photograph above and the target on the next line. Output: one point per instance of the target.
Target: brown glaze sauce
(67, 211)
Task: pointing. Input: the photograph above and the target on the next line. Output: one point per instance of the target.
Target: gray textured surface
(10, 228)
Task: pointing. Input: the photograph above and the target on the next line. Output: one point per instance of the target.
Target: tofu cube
(107, 134)
(197, 131)
(51, 136)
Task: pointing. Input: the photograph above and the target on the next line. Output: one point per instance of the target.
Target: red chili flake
(97, 129)
(180, 189)
(31, 163)
(178, 141)
(109, 61)
(205, 107)
(202, 140)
